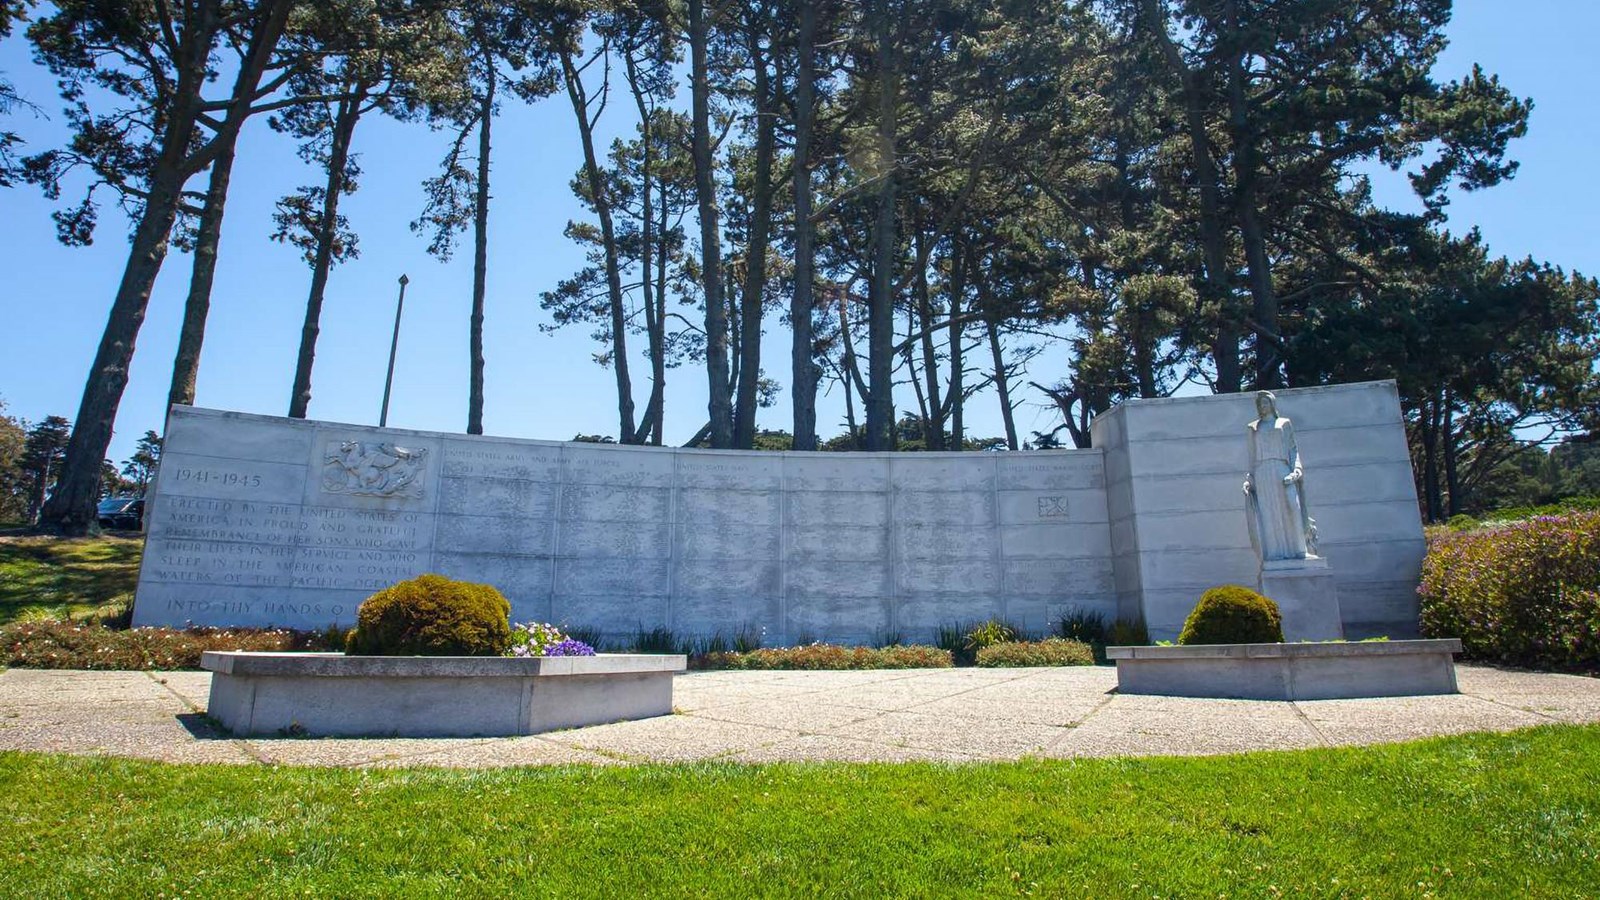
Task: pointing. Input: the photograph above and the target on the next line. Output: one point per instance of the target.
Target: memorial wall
(257, 520)
(265, 521)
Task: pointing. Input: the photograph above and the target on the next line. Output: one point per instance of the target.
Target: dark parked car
(121, 513)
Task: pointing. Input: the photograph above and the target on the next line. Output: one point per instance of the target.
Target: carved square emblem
(1052, 507)
(373, 469)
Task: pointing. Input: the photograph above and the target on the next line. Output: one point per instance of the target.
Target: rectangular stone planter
(1310, 671)
(330, 694)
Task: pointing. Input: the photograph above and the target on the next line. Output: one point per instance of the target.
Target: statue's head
(1266, 405)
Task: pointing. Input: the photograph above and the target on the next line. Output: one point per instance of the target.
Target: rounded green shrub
(432, 615)
(1232, 614)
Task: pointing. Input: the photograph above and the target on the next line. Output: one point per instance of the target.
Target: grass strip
(1489, 815)
(46, 577)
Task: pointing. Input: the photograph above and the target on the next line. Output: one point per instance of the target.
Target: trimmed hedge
(828, 656)
(1232, 614)
(432, 615)
(1048, 652)
(72, 645)
(1524, 594)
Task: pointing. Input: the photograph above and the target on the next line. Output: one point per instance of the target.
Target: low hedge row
(1048, 652)
(828, 656)
(72, 645)
(1525, 593)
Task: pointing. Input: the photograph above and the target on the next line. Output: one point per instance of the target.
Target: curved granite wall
(258, 520)
(265, 521)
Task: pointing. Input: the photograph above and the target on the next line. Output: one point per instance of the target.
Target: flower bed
(71, 645)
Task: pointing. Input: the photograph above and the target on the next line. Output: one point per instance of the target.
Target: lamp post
(394, 344)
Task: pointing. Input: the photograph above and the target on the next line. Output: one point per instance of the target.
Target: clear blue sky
(54, 300)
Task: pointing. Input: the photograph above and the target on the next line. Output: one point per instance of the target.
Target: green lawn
(1478, 816)
(47, 576)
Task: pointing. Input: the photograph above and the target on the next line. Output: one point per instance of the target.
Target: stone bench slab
(1307, 671)
(330, 694)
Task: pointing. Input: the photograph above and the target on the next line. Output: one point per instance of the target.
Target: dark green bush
(964, 640)
(951, 637)
(432, 615)
(1078, 624)
(1232, 614)
(994, 631)
(1048, 652)
(1128, 633)
(1524, 594)
(660, 639)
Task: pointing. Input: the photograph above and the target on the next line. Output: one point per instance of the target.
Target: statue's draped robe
(1278, 507)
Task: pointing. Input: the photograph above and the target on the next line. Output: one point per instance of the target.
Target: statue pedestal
(1306, 596)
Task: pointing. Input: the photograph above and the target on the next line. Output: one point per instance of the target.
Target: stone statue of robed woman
(1280, 526)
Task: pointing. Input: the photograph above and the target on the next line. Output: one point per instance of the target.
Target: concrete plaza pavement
(952, 715)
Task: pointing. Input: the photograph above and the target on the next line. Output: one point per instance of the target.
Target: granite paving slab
(952, 715)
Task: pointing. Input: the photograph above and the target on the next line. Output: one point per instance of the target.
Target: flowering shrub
(530, 638)
(69, 645)
(538, 639)
(1048, 652)
(1524, 593)
(828, 656)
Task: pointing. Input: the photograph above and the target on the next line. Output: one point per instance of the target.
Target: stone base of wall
(333, 695)
(1331, 671)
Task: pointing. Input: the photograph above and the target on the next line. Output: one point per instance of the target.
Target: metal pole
(388, 381)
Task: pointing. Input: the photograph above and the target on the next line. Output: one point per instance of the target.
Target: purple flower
(569, 647)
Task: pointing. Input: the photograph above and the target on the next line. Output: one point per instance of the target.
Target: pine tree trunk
(480, 250)
(344, 127)
(754, 299)
(192, 335)
(658, 363)
(880, 293)
(1455, 502)
(955, 398)
(601, 198)
(803, 366)
(649, 430)
(1216, 287)
(930, 359)
(1428, 423)
(1246, 177)
(71, 508)
(1002, 384)
(720, 403)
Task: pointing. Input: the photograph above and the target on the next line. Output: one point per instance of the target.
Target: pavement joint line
(803, 731)
(912, 707)
(637, 758)
(544, 739)
(243, 746)
(855, 739)
(396, 756)
(1310, 723)
(1072, 728)
(1501, 703)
